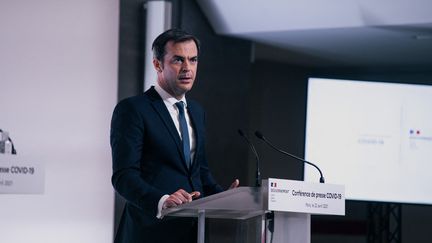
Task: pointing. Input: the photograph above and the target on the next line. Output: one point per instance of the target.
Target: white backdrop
(58, 87)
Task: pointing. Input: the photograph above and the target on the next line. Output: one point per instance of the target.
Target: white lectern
(291, 201)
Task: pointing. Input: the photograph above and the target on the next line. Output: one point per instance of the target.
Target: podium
(290, 204)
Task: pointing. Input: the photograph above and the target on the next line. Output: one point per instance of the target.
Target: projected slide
(375, 138)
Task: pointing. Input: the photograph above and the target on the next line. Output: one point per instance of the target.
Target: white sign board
(305, 197)
(20, 175)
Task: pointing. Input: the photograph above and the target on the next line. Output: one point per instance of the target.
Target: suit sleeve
(127, 131)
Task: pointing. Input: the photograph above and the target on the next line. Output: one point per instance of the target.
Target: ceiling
(337, 33)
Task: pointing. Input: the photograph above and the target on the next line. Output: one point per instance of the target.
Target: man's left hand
(235, 184)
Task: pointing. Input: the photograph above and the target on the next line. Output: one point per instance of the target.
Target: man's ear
(158, 65)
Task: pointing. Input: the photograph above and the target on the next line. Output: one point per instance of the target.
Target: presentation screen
(373, 137)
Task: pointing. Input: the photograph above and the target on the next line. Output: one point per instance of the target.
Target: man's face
(177, 70)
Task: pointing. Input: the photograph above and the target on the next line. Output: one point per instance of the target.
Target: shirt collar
(167, 98)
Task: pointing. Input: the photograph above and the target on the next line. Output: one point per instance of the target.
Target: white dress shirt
(170, 102)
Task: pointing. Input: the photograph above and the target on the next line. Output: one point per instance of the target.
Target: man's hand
(235, 184)
(180, 197)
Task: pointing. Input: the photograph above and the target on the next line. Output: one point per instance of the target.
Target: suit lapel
(163, 112)
(193, 114)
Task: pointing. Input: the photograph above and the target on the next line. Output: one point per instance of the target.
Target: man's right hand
(180, 197)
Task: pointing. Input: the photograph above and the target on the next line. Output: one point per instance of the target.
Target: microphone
(252, 147)
(7, 143)
(260, 136)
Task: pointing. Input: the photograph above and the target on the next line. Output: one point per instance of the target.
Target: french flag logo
(273, 184)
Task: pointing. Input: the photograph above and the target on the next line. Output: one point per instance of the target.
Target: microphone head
(259, 135)
(240, 132)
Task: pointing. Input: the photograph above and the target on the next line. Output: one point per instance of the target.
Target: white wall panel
(58, 86)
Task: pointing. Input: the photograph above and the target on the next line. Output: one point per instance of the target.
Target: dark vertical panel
(222, 87)
(279, 111)
(131, 48)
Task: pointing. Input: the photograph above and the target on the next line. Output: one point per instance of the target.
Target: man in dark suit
(157, 141)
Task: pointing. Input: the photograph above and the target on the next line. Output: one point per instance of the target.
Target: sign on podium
(290, 203)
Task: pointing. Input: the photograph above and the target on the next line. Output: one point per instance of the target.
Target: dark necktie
(184, 132)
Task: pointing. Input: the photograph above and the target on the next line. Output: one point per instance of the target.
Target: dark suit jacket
(148, 163)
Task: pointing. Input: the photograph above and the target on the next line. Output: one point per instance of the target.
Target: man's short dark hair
(175, 35)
